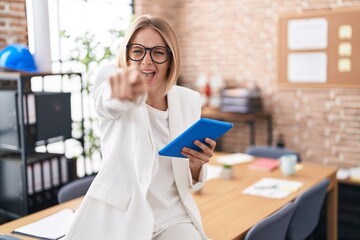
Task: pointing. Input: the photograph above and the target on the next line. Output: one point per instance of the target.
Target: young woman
(138, 194)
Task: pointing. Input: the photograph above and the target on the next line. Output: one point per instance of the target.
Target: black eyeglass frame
(147, 49)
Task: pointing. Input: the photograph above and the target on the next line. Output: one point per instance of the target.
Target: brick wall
(13, 25)
(238, 40)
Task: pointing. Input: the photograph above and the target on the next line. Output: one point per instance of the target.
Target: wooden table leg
(332, 209)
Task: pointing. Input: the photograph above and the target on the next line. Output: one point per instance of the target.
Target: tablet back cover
(204, 128)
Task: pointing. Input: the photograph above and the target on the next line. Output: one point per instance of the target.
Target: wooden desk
(226, 212)
(249, 118)
(9, 227)
(229, 214)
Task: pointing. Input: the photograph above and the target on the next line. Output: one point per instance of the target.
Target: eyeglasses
(158, 54)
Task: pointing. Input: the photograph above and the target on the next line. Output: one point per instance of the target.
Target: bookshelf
(29, 178)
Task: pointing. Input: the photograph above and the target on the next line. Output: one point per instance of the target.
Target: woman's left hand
(199, 158)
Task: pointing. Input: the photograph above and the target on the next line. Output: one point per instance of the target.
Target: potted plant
(227, 171)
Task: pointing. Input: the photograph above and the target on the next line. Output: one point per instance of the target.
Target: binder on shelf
(30, 180)
(30, 109)
(53, 115)
(11, 187)
(9, 137)
(64, 170)
(55, 171)
(37, 177)
(46, 174)
(43, 175)
(46, 116)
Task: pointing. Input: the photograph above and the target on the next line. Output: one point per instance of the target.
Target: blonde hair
(166, 32)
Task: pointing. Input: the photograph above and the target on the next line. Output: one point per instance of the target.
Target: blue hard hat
(17, 57)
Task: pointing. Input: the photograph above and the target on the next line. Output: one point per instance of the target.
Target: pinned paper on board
(344, 65)
(307, 67)
(306, 34)
(344, 49)
(345, 32)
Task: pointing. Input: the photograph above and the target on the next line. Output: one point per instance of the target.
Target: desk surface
(226, 212)
(9, 227)
(229, 214)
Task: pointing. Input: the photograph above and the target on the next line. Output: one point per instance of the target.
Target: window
(71, 24)
(77, 17)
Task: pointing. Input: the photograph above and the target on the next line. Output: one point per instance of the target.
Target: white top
(163, 195)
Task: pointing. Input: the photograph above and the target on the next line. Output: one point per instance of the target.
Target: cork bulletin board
(320, 48)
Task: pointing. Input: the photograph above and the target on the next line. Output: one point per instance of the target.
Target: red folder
(264, 164)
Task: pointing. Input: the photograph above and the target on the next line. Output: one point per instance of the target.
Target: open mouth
(149, 75)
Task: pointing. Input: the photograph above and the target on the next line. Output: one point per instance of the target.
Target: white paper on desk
(213, 172)
(343, 173)
(234, 158)
(273, 188)
(52, 227)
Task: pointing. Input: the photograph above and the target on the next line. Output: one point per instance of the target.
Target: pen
(266, 187)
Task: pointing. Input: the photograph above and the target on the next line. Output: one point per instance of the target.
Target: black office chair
(74, 189)
(273, 227)
(270, 152)
(307, 212)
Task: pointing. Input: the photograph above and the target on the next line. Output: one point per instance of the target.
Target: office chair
(74, 189)
(8, 237)
(307, 212)
(273, 227)
(270, 152)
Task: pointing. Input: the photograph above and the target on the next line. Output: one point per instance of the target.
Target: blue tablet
(204, 128)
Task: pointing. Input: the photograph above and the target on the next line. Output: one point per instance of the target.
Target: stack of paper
(241, 100)
(273, 188)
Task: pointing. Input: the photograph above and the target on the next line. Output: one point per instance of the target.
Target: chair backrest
(8, 237)
(74, 189)
(270, 152)
(274, 226)
(307, 212)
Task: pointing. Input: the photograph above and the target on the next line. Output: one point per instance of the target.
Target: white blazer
(115, 206)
